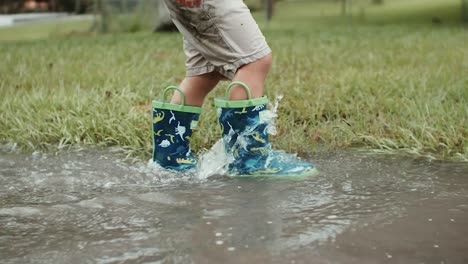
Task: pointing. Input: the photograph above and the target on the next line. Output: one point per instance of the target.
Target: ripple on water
(96, 207)
(19, 211)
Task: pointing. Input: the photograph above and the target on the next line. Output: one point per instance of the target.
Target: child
(221, 41)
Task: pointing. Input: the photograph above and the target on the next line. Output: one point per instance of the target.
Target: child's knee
(263, 64)
(260, 66)
(267, 60)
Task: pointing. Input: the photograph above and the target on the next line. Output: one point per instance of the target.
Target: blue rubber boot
(244, 126)
(172, 131)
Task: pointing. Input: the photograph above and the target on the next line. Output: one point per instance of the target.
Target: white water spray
(214, 161)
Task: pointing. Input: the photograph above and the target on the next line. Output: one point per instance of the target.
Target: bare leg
(254, 75)
(196, 88)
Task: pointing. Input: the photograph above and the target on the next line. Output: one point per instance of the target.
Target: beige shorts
(219, 35)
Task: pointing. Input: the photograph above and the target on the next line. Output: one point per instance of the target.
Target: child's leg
(196, 88)
(254, 75)
(223, 37)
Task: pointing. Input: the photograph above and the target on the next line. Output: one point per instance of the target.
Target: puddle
(92, 207)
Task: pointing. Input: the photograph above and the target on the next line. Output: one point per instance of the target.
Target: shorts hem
(229, 69)
(200, 70)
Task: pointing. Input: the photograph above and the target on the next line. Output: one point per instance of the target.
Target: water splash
(92, 205)
(272, 115)
(214, 161)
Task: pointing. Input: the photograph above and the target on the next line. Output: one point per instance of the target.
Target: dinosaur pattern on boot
(245, 137)
(172, 131)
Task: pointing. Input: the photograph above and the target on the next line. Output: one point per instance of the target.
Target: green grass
(414, 11)
(42, 30)
(399, 87)
(362, 12)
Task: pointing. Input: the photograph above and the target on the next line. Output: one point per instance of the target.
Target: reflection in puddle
(90, 206)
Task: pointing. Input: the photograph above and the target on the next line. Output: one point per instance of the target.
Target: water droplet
(269, 222)
(218, 234)
(231, 248)
(219, 242)
(452, 220)
(108, 185)
(213, 161)
(36, 155)
(388, 255)
(332, 217)
(208, 223)
(436, 246)
(430, 219)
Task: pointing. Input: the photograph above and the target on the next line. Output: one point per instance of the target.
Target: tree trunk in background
(124, 6)
(464, 11)
(268, 6)
(53, 5)
(100, 11)
(164, 23)
(77, 6)
(343, 7)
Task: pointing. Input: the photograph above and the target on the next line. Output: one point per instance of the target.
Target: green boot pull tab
(225, 102)
(243, 85)
(173, 125)
(165, 104)
(182, 95)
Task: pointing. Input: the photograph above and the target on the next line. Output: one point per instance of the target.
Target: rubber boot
(244, 126)
(172, 130)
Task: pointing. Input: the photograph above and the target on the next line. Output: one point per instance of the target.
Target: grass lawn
(380, 83)
(43, 29)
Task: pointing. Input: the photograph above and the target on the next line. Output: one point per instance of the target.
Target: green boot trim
(176, 107)
(172, 131)
(225, 103)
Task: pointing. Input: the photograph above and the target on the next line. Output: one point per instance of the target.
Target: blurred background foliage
(136, 15)
(385, 74)
(112, 16)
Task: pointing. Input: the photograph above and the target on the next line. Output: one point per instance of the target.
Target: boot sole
(308, 174)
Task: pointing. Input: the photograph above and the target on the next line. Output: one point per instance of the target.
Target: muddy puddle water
(92, 207)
